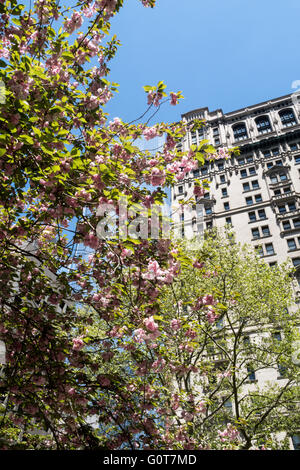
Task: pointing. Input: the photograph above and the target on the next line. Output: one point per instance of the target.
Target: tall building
(257, 192)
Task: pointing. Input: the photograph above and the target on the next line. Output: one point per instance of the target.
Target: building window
(222, 178)
(273, 264)
(270, 249)
(297, 159)
(228, 220)
(291, 206)
(208, 210)
(252, 171)
(269, 165)
(296, 261)
(255, 184)
(266, 153)
(255, 233)
(275, 151)
(293, 146)
(258, 198)
(228, 406)
(224, 192)
(296, 441)
(251, 374)
(265, 231)
(204, 170)
(252, 216)
(263, 125)
(259, 250)
(240, 132)
(246, 186)
(249, 201)
(296, 223)
(279, 162)
(226, 206)
(196, 173)
(221, 166)
(291, 244)
(249, 159)
(180, 189)
(282, 209)
(286, 225)
(243, 173)
(282, 176)
(287, 117)
(262, 214)
(273, 179)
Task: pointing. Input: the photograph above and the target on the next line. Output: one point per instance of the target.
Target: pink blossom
(199, 191)
(77, 344)
(175, 324)
(150, 324)
(150, 133)
(157, 177)
(174, 98)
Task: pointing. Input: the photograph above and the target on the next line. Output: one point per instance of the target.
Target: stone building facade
(257, 192)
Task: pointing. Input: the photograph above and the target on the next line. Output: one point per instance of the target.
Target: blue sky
(221, 53)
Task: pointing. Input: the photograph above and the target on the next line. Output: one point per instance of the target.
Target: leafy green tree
(235, 322)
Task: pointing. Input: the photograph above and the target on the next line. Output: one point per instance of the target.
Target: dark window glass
(296, 261)
(252, 171)
(296, 223)
(255, 184)
(262, 214)
(282, 176)
(286, 225)
(255, 233)
(249, 201)
(291, 206)
(291, 244)
(265, 231)
(270, 248)
(246, 186)
(258, 198)
(273, 179)
(240, 132)
(251, 374)
(282, 209)
(226, 206)
(243, 173)
(287, 117)
(263, 125)
(224, 192)
(222, 178)
(252, 216)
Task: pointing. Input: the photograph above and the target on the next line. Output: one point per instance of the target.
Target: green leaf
(26, 138)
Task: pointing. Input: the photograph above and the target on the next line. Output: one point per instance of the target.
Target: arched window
(263, 124)
(240, 131)
(287, 117)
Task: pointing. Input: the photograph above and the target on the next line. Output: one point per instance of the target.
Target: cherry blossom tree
(67, 320)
